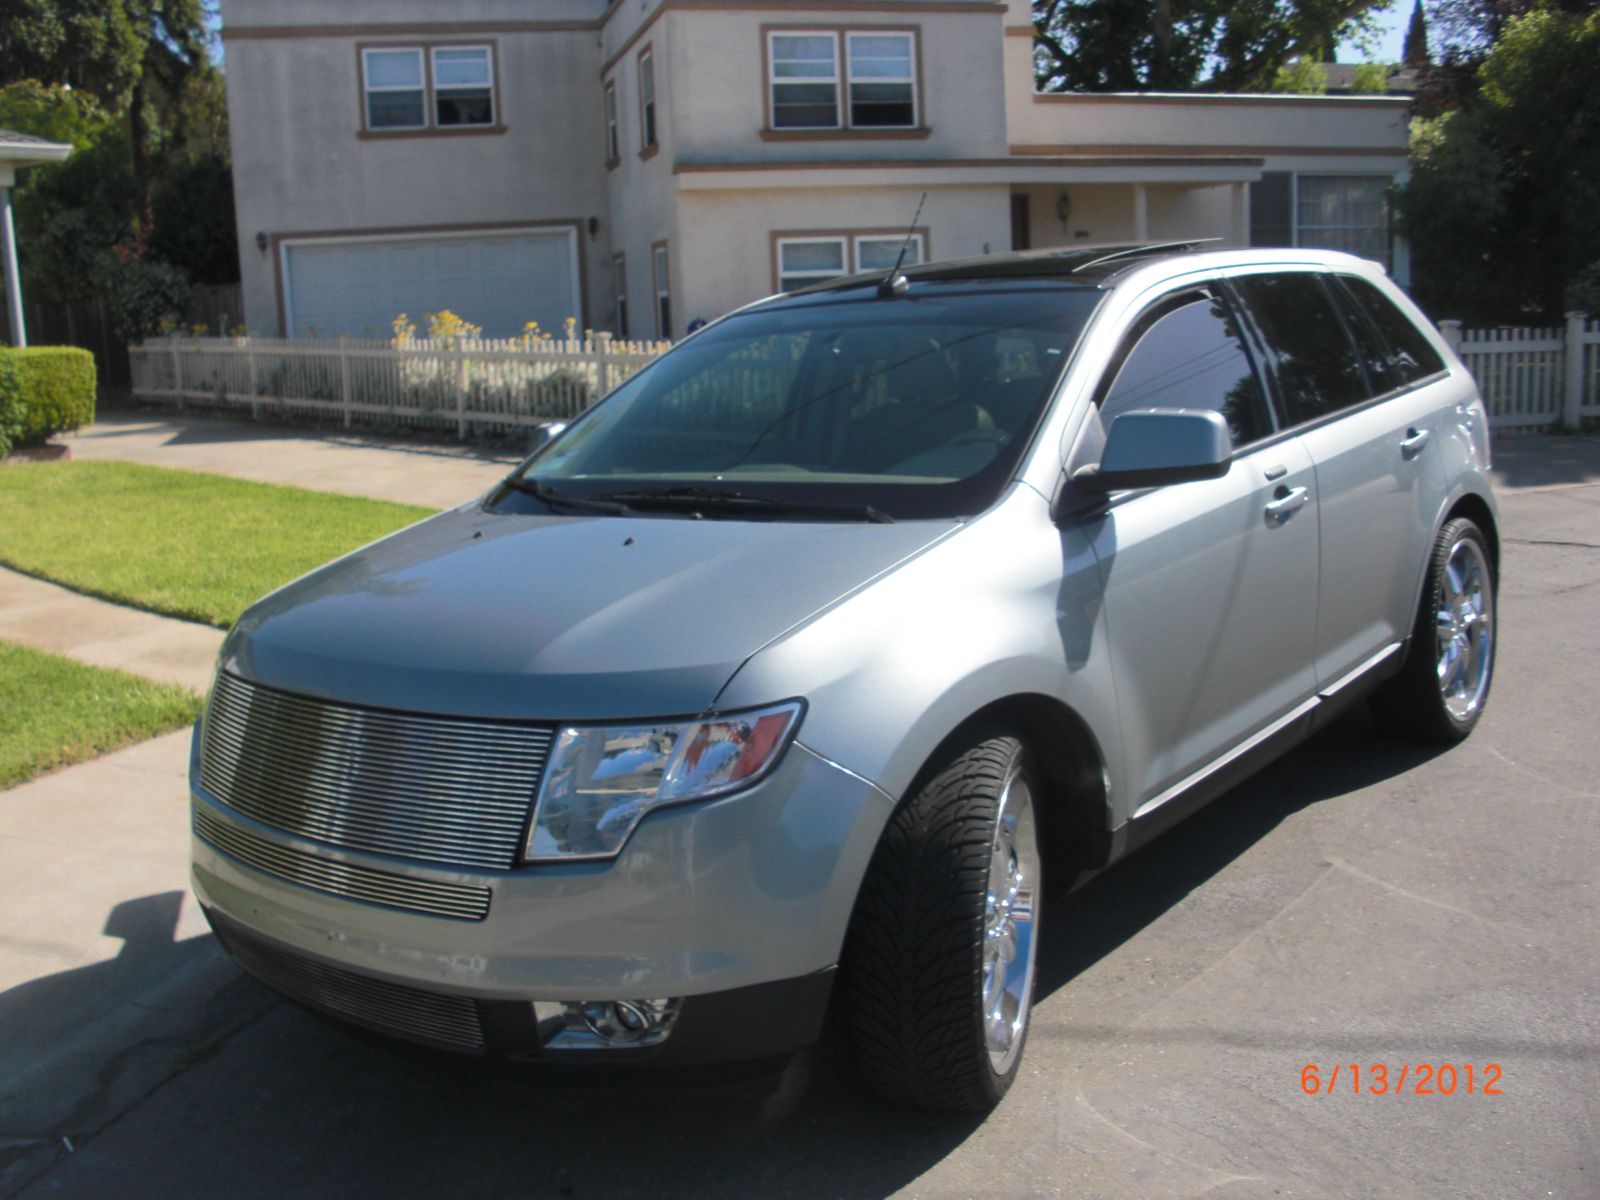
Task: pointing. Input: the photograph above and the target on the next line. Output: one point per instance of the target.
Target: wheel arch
(1476, 508)
(1072, 773)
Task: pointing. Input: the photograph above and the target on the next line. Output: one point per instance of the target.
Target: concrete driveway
(1362, 901)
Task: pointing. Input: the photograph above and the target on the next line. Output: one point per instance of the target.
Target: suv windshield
(856, 408)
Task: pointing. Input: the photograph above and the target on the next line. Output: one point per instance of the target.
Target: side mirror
(1160, 446)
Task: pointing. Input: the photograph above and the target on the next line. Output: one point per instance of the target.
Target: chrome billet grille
(450, 1022)
(436, 789)
(464, 902)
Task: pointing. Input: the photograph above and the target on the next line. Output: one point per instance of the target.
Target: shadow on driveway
(1536, 461)
(284, 1104)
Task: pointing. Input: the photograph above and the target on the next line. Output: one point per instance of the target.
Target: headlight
(602, 779)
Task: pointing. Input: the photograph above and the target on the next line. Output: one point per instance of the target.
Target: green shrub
(58, 389)
(11, 410)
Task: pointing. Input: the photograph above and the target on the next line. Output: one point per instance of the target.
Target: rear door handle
(1289, 502)
(1415, 440)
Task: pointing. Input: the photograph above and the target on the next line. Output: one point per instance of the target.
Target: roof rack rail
(1138, 251)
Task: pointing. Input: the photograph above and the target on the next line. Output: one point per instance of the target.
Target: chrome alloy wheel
(1010, 941)
(1464, 628)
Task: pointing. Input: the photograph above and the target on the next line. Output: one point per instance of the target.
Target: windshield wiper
(689, 498)
(557, 499)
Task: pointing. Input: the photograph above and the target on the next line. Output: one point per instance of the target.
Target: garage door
(499, 281)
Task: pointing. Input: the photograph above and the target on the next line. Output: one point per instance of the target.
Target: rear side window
(1408, 355)
(1319, 371)
(1372, 349)
(1187, 353)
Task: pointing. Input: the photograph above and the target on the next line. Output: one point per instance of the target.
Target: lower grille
(448, 1022)
(463, 902)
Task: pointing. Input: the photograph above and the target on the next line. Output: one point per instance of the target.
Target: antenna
(894, 284)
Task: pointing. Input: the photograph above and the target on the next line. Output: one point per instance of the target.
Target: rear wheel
(1439, 694)
(939, 962)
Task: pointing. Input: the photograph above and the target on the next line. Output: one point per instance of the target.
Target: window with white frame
(882, 81)
(805, 80)
(647, 100)
(663, 288)
(1326, 212)
(816, 258)
(396, 92)
(619, 277)
(841, 79)
(463, 86)
(613, 134)
(397, 81)
(804, 261)
(875, 253)
(1343, 212)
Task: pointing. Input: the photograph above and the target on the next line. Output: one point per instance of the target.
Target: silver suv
(795, 665)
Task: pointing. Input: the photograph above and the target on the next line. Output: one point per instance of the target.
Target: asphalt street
(1362, 902)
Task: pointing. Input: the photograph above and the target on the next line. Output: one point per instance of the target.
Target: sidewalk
(440, 476)
(94, 890)
(55, 619)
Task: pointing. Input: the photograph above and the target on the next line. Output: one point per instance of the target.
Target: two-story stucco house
(639, 164)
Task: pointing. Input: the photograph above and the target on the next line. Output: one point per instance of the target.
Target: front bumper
(739, 906)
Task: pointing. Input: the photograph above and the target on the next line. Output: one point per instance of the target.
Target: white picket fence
(1533, 379)
(453, 384)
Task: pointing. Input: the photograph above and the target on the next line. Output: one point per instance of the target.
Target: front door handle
(1415, 440)
(1289, 501)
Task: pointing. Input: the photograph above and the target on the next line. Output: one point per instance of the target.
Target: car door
(1210, 586)
(1379, 478)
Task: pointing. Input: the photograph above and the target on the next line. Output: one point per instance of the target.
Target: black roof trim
(1083, 265)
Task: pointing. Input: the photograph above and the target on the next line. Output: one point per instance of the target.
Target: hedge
(57, 386)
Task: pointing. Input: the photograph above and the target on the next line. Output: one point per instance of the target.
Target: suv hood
(556, 617)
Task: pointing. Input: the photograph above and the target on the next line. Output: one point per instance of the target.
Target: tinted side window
(1410, 356)
(1187, 354)
(1370, 346)
(1318, 370)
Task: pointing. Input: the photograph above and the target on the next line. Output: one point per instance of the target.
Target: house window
(619, 277)
(809, 259)
(1344, 212)
(613, 137)
(805, 81)
(463, 86)
(882, 91)
(427, 88)
(881, 253)
(647, 100)
(873, 71)
(396, 94)
(663, 291)
(1324, 212)
(804, 261)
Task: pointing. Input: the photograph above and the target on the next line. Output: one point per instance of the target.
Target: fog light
(604, 1024)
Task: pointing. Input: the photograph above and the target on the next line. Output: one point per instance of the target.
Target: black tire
(915, 955)
(1413, 703)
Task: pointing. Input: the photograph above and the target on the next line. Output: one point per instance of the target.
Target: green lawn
(54, 711)
(179, 542)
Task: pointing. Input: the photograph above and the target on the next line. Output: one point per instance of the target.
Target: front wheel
(939, 961)
(1440, 692)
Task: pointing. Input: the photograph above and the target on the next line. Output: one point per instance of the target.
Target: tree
(1415, 54)
(1178, 45)
(1302, 77)
(1500, 208)
(185, 225)
(145, 202)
